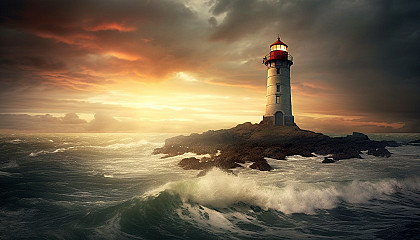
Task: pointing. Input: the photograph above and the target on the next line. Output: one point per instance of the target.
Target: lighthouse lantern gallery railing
(268, 57)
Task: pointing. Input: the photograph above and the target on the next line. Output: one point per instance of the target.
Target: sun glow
(185, 77)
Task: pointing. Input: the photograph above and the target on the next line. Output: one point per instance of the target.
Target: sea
(111, 186)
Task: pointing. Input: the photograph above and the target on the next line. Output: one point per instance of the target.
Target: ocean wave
(6, 174)
(16, 141)
(10, 164)
(42, 152)
(128, 145)
(221, 190)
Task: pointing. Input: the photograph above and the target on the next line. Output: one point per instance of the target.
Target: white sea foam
(5, 174)
(205, 216)
(58, 150)
(16, 141)
(11, 164)
(34, 154)
(128, 145)
(220, 190)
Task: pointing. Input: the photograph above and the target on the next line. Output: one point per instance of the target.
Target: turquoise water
(109, 186)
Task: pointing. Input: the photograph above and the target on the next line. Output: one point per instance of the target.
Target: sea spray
(58, 150)
(219, 189)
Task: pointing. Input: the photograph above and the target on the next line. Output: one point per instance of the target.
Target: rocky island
(249, 142)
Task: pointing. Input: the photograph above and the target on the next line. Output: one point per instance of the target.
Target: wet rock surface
(415, 142)
(328, 160)
(379, 152)
(228, 148)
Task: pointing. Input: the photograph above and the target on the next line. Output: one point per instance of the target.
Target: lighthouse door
(278, 118)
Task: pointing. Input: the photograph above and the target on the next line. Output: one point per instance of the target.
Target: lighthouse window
(277, 99)
(275, 47)
(278, 88)
(278, 70)
(278, 47)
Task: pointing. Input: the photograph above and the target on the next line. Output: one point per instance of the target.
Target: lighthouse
(278, 109)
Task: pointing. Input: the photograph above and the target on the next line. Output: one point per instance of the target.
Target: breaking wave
(220, 190)
(42, 152)
(16, 141)
(127, 145)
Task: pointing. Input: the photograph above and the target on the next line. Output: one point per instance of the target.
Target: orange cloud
(73, 39)
(110, 26)
(124, 56)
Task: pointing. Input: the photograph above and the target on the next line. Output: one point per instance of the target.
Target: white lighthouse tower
(278, 110)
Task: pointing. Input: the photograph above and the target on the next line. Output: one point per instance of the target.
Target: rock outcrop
(328, 160)
(253, 142)
(415, 142)
(379, 152)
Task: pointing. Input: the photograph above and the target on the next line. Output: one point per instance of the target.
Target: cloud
(350, 58)
(41, 123)
(70, 122)
(348, 124)
(105, 123)
(91, 41)
(72, 118)
(101, 123)
(364, 51)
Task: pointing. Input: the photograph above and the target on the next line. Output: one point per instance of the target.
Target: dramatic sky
(189, 65)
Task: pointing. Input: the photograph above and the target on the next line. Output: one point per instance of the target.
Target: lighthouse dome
(278, 45)
(278, 51)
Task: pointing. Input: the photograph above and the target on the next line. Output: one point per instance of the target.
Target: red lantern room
(278, 51)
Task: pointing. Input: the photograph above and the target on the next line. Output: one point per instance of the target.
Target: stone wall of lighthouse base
(271, 120)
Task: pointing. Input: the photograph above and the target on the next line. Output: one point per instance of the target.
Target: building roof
(279, 42)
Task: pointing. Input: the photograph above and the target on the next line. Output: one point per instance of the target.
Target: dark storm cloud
(368, 51)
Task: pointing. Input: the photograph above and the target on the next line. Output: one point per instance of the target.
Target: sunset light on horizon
(190, 66)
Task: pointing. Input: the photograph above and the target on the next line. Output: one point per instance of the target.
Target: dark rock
(306, 153)
(275, 152)
(379, 152)
(190, 163)
(328, 160)
(171, 150)
(390, 144)
(252, 142)
(227, 165)
(415, 142)
(346, 155)
(261, 165)
(358, 136)
(256, 208)
(253, 155)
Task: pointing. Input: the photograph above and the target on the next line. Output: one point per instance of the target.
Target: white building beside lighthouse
(278, 110)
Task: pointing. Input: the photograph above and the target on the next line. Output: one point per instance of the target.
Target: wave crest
(42, 152)
(220, 190)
